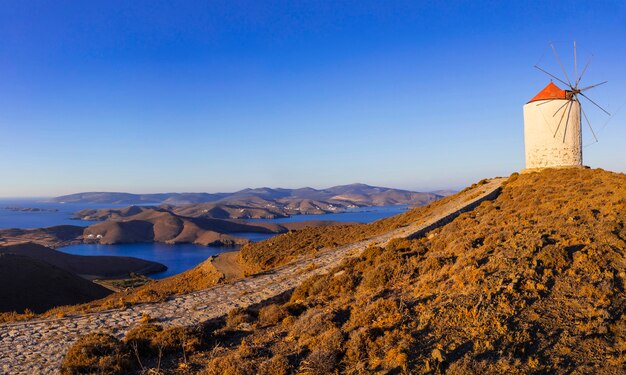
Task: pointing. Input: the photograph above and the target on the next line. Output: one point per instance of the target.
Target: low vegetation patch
(96, 353)
(132, 282)
(146, 348)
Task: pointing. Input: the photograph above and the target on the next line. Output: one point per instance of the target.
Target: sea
(177, 258)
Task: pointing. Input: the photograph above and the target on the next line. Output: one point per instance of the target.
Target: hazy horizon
(148, 97)
(221, 191)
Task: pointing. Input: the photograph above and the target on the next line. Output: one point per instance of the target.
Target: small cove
(178, 258)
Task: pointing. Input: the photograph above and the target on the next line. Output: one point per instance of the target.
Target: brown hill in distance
(128, 198)
(158, 226)
(240, 208)
(102, 214)
(92, 267)
(155, 224)
(28, 283)
(259, 208)
(262, 203)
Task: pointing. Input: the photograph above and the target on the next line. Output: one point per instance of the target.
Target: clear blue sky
(152, 96)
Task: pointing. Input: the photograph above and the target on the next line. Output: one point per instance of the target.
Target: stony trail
(38, 346)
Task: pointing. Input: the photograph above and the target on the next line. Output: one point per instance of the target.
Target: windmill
(552, 119)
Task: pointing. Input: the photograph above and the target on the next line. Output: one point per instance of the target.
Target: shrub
(330, 341)
(312, 323)
(311, 287)
(142, 338)
(319, 362)
(277, 365)
(176, 339)
(272, 314)
(379, 277)
(96, 353)
(232, 364)
(238, 316)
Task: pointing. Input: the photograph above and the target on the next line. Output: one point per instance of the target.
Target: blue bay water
(177, 258)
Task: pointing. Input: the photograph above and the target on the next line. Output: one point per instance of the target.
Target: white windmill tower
(552, 121)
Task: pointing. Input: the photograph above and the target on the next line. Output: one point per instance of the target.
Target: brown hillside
(388, 197)
(113, 213)
(530, 283)
(86, 266)
(151, 225)
(28, 283)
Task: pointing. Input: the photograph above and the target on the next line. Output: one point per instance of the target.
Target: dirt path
(37, 347)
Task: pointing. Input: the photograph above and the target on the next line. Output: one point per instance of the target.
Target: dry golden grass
(96, 353)
(530, 283)
(146, 349)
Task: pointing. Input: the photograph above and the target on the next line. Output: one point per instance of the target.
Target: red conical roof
(551, 91)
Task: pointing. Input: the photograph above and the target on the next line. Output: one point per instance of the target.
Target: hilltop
(530, 282)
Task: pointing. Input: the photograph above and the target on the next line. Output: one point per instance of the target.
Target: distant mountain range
(354, 194)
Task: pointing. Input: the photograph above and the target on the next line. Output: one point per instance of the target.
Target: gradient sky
(153, 96)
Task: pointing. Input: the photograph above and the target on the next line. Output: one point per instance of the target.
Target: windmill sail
(552, 119)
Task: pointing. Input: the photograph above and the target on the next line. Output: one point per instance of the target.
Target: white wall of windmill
(547, 144)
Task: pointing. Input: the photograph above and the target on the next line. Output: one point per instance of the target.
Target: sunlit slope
(532, 282)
